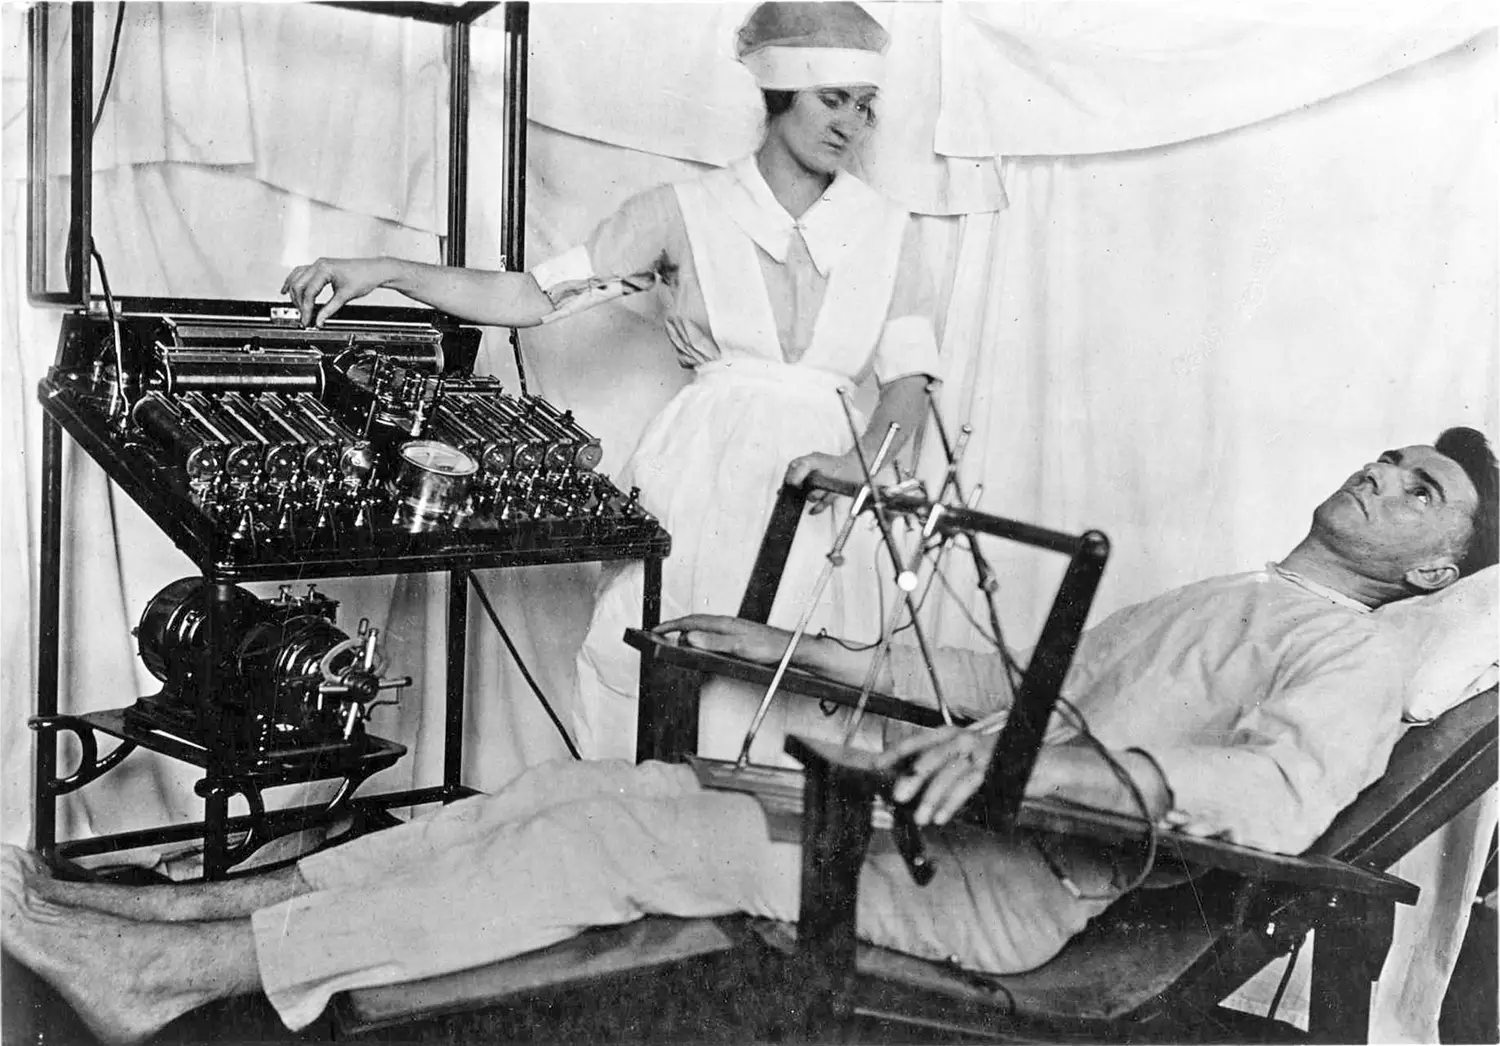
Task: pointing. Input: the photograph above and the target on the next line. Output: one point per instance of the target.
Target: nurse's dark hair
(778, 102)
(1471, 451)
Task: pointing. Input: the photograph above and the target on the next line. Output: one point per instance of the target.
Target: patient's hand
(941, 770)
(729, 635)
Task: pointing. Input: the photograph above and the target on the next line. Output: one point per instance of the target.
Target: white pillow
(1453, 642)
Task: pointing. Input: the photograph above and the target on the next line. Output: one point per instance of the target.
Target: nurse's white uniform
(774, 315)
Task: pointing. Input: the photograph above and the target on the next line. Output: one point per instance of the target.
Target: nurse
(784, 278)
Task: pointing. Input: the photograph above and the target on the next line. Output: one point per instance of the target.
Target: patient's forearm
(975, 683)
(1078, 773)
(831, 660)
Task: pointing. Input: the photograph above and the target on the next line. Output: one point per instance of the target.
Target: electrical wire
(985, 571)
(1286, 978)
(114, 324)
(969, 614)
(109, 72)
(1124, 777)
(515, 654)
(109, 77)
(830, 708)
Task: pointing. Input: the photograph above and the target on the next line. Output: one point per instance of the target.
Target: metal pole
(517, 35)
(458, 637)
(458, 144)
(82, 189)
(49, 604)
(513, 235)
(36, 150)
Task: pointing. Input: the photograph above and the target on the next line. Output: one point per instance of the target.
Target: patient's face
(1409, 508)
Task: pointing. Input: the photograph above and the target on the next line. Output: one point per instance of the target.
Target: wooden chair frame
(1194, 943)
(1210, 935)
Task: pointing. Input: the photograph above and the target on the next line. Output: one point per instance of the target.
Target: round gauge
(438, 457)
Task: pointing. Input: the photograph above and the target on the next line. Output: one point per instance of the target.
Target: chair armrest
(838, 794)
(854, 775)
(1311, 871)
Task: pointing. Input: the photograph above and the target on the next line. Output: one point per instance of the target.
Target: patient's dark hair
(778, 102)
(1473, 454)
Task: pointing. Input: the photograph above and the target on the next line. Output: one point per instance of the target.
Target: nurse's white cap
(791, 46)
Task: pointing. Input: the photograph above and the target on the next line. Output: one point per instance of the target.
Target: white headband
(795, 68)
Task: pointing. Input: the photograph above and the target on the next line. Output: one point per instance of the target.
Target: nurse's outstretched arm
(500, 299)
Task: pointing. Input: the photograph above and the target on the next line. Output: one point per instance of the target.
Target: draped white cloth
(1244, 250)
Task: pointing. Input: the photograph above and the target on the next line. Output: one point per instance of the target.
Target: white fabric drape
(1184, 345)
(1188, 347)
(967, 82)
(1070, 79)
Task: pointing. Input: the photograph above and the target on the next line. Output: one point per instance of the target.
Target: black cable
(1123, 776)
(516, 656)
(71, 261)
(973, 621)
(109, 73)
(109, 299)
(1286, 977)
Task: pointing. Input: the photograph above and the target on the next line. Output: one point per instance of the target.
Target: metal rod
(456, 249)
(80, 232)
(458, 635)
(962, 518)
(38, 26)
(517, 34)
(219, 740)
(906, 581)
(513, 235)
(835, 559)
(49, 605)
(883, 652)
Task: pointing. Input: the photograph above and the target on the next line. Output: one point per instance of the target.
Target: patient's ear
(1432, 577)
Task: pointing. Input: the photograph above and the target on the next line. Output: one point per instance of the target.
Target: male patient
(1252, 706)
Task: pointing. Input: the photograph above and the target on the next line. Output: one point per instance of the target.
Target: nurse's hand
(729, 635)
(835, 466)
(349, 278)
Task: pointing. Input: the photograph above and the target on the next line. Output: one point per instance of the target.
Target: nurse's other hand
(834, 466)
(349, 278)
(729, 635)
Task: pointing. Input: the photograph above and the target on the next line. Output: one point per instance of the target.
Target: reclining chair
(1152, 967)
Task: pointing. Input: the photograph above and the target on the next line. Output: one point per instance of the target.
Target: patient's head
(1412, 521)
(1473, 454)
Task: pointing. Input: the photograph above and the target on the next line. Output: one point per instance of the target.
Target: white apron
(710, 465)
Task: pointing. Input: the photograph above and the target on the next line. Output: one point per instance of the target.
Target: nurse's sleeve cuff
(908, 345)
(570, 266)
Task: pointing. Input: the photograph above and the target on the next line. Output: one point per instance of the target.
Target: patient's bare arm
(762, 643)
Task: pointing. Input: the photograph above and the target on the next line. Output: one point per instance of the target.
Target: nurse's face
(826, 125)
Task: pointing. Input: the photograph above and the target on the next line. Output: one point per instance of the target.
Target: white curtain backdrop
(1197, 263)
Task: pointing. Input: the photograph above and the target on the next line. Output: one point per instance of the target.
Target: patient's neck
(1316, 562)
